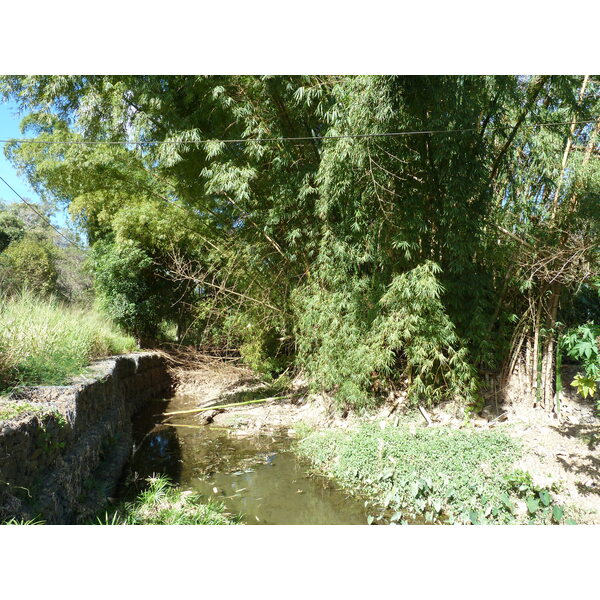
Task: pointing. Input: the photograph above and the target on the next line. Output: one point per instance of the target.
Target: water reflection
(256, 476)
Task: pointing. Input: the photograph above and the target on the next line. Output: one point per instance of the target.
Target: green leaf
(557, 513)
(532, 505)
(414, 489)
(474, 517)
(370, 520)
(545, 497)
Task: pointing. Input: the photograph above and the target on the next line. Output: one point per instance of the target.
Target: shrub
(30, 262)
(353, 339)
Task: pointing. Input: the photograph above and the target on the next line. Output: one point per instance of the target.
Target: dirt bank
(217, 383)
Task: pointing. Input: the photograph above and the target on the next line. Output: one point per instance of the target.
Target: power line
(39, 214)
(277, 139)
(246, 140)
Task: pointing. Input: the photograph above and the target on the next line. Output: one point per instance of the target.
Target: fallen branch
(196, 410)
(502, 417)
(197, 426)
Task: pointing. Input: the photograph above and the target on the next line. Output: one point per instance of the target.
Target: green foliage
(302, 429)
(45, 342)
(164, 504)
(129, 289)
(540, 503)
(582, 344)
(30, 263)
(34, 256)
(372, 262)
(13, 521)
(443, 475)
(12, 228)
(347, 348)
(458, 476)
(260, 356)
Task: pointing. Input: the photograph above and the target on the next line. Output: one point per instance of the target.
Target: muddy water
(258, 477)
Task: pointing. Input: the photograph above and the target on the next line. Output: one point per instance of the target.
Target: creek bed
(258, 476)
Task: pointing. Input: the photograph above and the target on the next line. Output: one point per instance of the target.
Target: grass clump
(446, 475)
(45, 342)
(164, 504)
(14, 521)
(12, 410)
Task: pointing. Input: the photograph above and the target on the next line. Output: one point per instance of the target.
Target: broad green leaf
(557, 513)
(545, 497)
(532, 505)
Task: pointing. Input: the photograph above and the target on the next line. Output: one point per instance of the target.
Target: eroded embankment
(60, 458)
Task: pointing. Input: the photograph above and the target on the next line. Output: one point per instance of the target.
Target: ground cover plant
(45, 342)
(11, 410)
(164, 504)
(452, 476)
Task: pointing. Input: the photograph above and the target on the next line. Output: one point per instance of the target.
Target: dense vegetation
(49, 329)
(45, 342)
(161, 503)
(36, 257)
(442, 261)
(439, 474)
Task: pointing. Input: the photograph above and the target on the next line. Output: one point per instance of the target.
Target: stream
(258, 477)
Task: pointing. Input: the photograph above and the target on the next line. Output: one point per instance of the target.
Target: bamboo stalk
(558, 377)
(563, 166)
(535, 377)
(548, 358)
(195, 410)
(195, 426)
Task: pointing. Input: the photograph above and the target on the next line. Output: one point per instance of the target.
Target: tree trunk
(548, 370)
(536, 355)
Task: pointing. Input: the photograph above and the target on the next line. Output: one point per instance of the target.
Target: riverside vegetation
(447, 476)
(44, 342)
(455, 263)
(163, 504)
(49, 328)
(160, 503)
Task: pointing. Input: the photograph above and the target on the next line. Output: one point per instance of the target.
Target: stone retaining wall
(61, 463)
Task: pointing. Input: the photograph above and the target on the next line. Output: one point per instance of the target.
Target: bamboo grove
(447, 260)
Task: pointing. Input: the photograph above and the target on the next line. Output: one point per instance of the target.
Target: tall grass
(45, 342)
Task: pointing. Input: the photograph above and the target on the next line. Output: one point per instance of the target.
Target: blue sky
(9, 128)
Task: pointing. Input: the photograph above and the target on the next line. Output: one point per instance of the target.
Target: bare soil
(560, 452)
(217, 383)
(563, 450)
